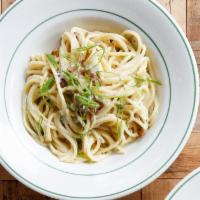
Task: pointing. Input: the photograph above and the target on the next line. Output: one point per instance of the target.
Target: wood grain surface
(187, 14)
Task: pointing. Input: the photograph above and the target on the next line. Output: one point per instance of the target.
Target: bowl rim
(182, 183)
(172, 157)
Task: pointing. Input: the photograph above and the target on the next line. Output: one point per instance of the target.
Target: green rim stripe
(183, 184)
(159, 132)
(166, 164)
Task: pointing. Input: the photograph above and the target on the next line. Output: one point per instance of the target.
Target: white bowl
(188, 188)
(35, 26)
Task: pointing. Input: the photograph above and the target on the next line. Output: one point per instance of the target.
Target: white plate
(188, 188)
(34, 26)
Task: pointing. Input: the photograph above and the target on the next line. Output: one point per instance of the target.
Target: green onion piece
(88, 89)
(81, 154)
(52, 60)
(82, 135)
(97, 85)
(95, 88)
(120, 128)
(39, 125)
(141, 80)
(85, 48)
(44, 89)
(71, 79)
(120, 105)
(88, 92)
(67, 56)
(86, 101)
(154, 81)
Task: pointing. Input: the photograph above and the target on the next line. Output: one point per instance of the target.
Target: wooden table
(187, 14)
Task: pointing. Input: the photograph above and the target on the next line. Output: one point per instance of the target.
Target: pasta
(91, 96)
